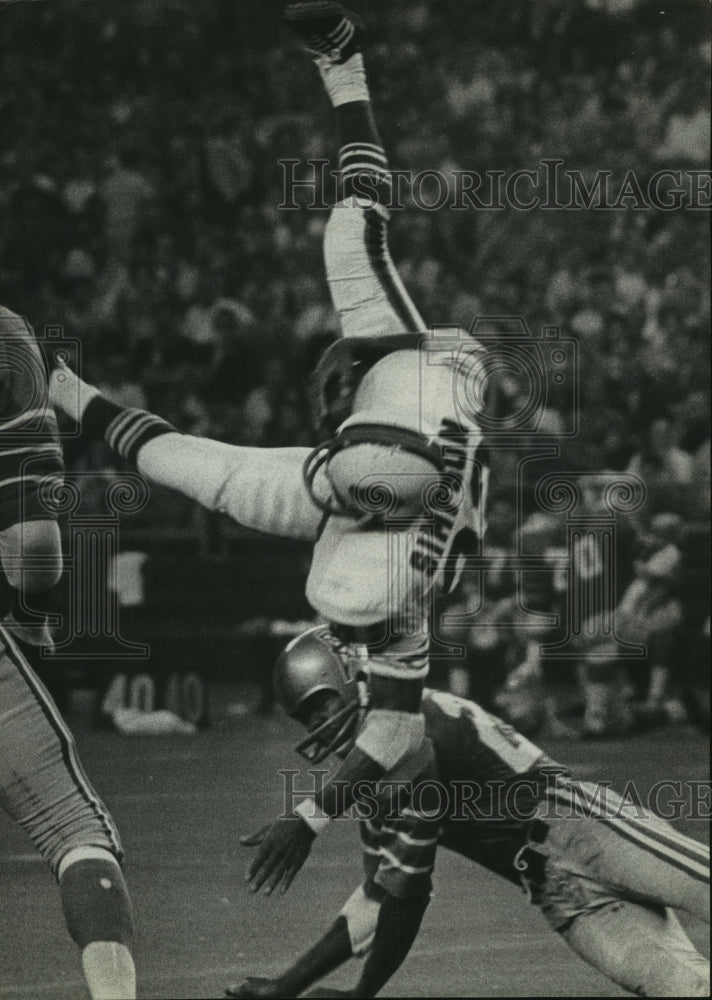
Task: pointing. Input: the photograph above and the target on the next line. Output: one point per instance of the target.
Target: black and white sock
(125, 429)
(363, 166)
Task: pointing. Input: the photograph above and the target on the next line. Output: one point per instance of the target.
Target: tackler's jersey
(477, 795)
(30, 452)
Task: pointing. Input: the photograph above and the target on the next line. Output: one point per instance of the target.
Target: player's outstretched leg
(366, 289)
(260, 488)
(642, 949)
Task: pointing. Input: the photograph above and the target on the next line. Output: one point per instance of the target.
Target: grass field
(181, 802)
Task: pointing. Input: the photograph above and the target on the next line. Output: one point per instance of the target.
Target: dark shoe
(328, 30)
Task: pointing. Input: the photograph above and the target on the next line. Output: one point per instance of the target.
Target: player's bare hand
(255, 987)
(256, 838)
(282, 849)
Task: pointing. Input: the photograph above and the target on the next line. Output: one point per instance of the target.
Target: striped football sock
(125, 429)
(363, 166)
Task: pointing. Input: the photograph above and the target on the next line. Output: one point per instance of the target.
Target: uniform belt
(391, 435)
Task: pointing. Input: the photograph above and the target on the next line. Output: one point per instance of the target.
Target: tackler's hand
(283, 847)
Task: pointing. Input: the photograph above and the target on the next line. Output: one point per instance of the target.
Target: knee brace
(95, 900)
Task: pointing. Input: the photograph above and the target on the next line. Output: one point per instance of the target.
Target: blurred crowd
(141, 189)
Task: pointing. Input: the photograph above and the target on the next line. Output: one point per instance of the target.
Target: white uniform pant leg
(43, 786)
(642, 949)
(612, 874)
(365, 287)
(627, 850)
(260, 488)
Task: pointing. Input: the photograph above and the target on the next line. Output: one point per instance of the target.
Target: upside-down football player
(43, 786)
(604, 873)
(388, 502)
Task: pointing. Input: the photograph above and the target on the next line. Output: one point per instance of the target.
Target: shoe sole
(320, 9)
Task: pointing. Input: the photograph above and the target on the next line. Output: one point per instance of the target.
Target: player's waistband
(392, 435)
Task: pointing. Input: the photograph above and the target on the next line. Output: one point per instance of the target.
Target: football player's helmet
(318, 661)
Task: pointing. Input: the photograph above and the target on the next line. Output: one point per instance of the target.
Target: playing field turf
(181, 802)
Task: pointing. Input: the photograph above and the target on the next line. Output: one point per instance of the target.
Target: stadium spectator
(143, 214)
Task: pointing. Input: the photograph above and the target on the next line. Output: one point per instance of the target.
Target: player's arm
(392, 737)
(373, 925)
(397, 925)
(331, 950)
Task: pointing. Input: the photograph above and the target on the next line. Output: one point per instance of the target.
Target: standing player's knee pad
(95, 900)
(31, 554)
(390, 737)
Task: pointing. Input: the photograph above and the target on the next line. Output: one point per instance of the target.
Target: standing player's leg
(30, 464)
(43, 787)
(366, 290)
(260, 488)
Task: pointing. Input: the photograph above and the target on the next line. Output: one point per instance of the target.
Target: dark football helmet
(318, 661)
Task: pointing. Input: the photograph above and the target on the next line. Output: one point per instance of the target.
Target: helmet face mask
(315, 685)
(331, 726)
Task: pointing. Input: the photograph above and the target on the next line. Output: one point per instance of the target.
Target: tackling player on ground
(43, 786)
(394, 493)
(603, 872)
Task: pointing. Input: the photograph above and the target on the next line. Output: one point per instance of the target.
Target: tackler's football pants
(614, 874)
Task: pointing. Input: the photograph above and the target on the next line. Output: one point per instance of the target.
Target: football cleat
(328, 30)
